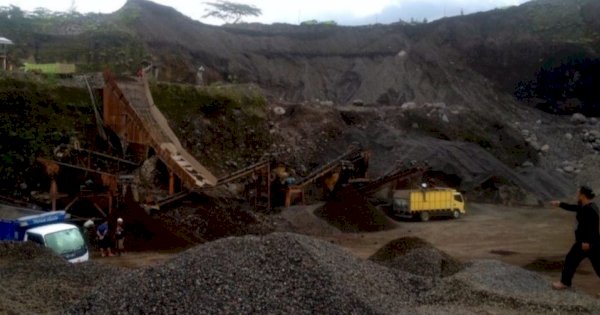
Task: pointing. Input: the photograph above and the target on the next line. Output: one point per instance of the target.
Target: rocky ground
(36, 281)
(434, 93)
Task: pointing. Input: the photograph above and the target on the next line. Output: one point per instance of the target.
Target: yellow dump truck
(426, 203)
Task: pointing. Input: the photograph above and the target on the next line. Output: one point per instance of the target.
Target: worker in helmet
(120, 237)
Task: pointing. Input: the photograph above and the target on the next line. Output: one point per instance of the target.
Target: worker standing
(120, 237)
(104, 239)
(587, 236)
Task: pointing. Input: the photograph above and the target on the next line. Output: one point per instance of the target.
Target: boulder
(439, 105)
(569, 169)
(569, 136)
(545, 148)
(528, 164)
(408, 106)
(445, 118)
(594, 135)
(278, 110)
(358, 102)
(578, 118)
(525, 133)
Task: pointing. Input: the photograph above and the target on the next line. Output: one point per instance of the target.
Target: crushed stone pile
(145, 232)
(275, 274)
(215, 219)
(497, 284)
(302, 220)
(414, 255)
(351, 212)
(36, 281)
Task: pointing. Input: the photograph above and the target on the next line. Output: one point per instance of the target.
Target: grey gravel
(276, 274)
(36, 281)
(416, 256)
(494, 284)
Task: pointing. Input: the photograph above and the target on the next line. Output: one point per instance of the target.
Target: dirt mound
(144, 232)
(302, 220)
(210, 216)
(36, 281)
(414, 255)
(279, 273)
(351, 212)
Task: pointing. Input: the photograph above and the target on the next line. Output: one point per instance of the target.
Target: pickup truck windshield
(66, 241)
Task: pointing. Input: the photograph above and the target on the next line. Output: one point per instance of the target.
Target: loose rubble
(276, 274)
(416, 256)
(36, 281)
(493, 282)
(351, 212)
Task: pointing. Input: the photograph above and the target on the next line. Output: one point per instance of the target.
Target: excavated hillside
(460, 92)
(443, 92)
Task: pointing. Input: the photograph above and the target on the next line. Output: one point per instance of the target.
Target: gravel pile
(275, 274)
(145, 232)
(490, 283)
(414, 255)
(36, 281)
(351, 212)
(213, 217)
(302, 220)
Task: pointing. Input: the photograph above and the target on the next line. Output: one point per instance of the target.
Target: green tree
(231, 12)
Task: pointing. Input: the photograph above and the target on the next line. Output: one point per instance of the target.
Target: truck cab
(45, 228)
(63, 239)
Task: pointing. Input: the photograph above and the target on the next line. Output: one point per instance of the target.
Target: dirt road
(528, 237)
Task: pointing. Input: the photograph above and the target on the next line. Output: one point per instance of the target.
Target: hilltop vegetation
(92, 41)
(35, 117)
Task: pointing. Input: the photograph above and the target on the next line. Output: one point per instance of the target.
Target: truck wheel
(424, 216)
(456, 214)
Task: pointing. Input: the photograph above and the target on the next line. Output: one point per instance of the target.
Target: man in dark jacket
(587, 236)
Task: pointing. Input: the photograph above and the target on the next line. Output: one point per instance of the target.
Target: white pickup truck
(45, 228)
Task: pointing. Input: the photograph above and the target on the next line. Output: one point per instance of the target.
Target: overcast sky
(348, 12)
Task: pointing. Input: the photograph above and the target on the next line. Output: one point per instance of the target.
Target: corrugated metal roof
(5, 41)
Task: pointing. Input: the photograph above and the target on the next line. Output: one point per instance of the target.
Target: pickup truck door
(36, 238)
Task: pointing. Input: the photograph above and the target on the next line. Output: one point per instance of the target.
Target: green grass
(34, 119)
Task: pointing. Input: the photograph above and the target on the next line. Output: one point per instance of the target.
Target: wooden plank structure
(130, 112)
